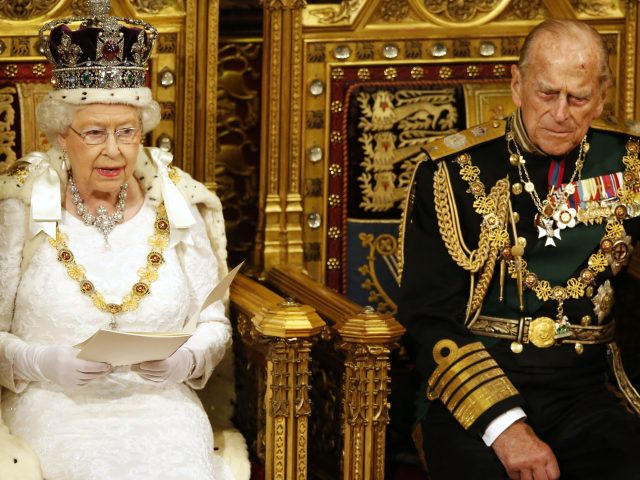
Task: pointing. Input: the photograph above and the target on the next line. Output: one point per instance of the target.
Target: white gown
(119, 426)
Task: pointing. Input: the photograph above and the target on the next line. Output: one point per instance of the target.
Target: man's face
(559, 93)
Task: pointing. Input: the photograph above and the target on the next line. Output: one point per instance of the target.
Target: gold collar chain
(148, 274)
(614, 248)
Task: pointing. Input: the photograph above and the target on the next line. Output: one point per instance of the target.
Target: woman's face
(101, 169)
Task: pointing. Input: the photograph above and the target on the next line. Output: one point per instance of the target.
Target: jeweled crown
(103, 52)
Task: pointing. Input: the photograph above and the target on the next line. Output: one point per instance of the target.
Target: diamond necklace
(553, 216)
(104, 222)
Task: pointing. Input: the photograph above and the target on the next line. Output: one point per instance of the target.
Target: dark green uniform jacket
(435, 290)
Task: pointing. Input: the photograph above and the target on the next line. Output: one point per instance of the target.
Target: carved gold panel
(30, 94)
(471, 12)
(7, 120)
(487, 101)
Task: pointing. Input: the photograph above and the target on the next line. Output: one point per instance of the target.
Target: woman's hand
(58, 364)
(524, 455)
(177, 368)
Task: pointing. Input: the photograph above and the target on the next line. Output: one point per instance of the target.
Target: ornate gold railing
(276, 337)
(356, 347)
(331, 423)
(247, 297)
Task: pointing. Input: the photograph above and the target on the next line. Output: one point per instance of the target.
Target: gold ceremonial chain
(613, 250)
(148, 274)
(553, 216)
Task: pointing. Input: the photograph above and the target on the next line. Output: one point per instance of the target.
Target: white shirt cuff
(501, 423)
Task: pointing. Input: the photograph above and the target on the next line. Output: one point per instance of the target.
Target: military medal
(546, 228)
(554, 212)
(565, 217)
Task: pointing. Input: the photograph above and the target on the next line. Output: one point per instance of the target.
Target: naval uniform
(477, 316)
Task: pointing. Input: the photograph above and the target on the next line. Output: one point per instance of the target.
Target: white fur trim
(231, 446)
(26, 465)
(137, 97)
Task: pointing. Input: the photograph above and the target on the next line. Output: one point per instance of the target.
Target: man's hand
(524, 455)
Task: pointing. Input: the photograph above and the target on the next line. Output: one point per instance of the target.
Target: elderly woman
(101, 234)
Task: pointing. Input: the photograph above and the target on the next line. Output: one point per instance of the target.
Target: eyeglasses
(98, 136)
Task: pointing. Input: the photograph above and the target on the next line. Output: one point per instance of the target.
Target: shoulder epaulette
(613, 124)
(465, 139)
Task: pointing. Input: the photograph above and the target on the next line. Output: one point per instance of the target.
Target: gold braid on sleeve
(467, 380)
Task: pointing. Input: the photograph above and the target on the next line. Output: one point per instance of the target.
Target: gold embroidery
(482, 399)
(19, 171)
(467, 380)
(174, 174)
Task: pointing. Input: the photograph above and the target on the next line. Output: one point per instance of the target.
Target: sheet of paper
(128, 348)
(216, 294)
(220, 289)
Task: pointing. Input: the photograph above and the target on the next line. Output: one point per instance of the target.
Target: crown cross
(110, 44)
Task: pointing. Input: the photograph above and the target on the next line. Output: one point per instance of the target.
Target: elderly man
(517, 234)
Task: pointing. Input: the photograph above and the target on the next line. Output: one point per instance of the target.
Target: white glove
(177, 368)
(57, 364)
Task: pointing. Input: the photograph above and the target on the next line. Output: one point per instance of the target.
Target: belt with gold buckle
(543, 332)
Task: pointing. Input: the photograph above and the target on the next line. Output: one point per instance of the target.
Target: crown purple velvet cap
(104, 52)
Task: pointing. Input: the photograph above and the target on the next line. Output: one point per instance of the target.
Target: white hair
(54, 116)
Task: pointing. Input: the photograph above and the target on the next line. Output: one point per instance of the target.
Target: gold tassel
(520, 295)
(503, 268)
(517, 251)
